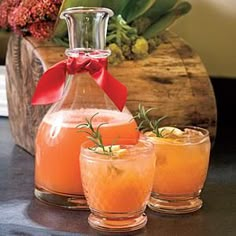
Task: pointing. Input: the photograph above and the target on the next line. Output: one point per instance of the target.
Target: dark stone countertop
(22, 214)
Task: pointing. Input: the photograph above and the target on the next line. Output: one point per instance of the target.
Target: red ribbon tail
(51, 85)
(115, 90)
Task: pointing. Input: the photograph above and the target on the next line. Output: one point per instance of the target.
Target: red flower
(3, 14)
(36, 17)
(44, 11)
(13, 3)
(20, 17)
(6, 6)
(41, 30)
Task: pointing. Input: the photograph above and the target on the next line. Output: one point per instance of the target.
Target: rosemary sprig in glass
(145, 123)
(95, 136)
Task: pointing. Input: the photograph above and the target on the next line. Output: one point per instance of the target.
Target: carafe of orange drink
(57, 170)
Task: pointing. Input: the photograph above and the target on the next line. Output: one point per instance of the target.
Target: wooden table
(22, 214)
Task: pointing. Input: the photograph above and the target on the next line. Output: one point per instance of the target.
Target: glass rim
(75, 10)
(85, 152)
(181, 140)
(204, 131)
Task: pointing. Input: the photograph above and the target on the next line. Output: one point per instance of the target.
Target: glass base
(116, 225)
(76, 202)
(174, 205)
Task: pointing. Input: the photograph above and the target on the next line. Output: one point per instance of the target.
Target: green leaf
(145, 123)
(136, 8)
(60, 29)
(166, 20)
(117, 6)
(94, 133)
(159, 8)
(120, 33)
(61, 41)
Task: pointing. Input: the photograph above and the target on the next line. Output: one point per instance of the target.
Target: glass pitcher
(57, 170)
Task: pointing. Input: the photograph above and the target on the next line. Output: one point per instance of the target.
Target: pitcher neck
(87, 27)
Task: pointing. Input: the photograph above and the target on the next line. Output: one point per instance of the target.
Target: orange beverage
(58, 143)
(181, 170)
(118, 187)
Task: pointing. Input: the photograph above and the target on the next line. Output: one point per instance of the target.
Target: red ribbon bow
(51, 84)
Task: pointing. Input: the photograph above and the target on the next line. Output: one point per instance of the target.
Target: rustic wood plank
(172, 78)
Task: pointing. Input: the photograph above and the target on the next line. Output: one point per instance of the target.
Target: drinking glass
(181, 170)
(117, 187)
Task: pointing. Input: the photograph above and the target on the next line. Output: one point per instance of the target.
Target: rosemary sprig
(94, 135)
(145, 123)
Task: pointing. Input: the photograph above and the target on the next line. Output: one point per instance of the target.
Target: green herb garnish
(145, 123)
(95, 136)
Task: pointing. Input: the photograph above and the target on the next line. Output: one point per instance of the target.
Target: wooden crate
(172, 78)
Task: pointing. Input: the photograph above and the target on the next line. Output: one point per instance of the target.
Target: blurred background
(210, 29)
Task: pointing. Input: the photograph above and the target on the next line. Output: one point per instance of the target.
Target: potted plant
(134, 30)
(132, 33)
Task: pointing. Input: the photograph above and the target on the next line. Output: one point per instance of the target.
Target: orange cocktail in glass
(181, 169)
(118, 186)
(57, 167)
